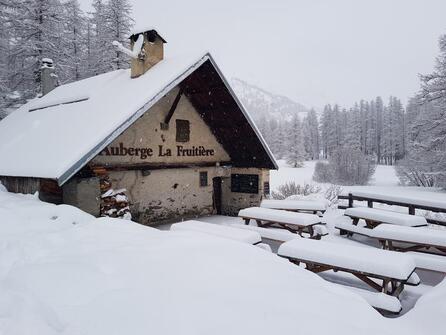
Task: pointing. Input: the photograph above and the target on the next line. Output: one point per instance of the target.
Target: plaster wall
(146, 133)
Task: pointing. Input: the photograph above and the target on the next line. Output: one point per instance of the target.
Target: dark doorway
(216, 194)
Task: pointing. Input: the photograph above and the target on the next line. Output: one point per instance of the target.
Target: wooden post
(411, 210)
(370, 203)
(350, 200)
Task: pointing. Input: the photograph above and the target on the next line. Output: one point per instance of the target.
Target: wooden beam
(173, 107)
(156, 166)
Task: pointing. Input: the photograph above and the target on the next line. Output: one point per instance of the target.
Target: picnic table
(311, 206)
(228, 232)
(400, 238)
(411, 202)
(294, 222)
(383, 270)
(374, 217)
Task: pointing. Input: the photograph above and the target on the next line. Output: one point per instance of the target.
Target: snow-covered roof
(56, 135)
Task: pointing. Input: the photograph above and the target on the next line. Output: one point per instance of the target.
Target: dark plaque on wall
(245, 183)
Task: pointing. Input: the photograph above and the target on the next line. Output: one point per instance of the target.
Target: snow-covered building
(170, 131)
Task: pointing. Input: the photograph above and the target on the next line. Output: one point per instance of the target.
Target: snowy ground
(65, 272)
(384, 180)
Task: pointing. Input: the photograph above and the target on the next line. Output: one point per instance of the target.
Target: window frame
(201, 176)
(239, 183)
(182, 129)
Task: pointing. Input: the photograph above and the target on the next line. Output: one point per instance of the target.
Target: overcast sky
(314, 51)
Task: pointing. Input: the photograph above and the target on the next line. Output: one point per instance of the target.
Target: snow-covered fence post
(350, 200)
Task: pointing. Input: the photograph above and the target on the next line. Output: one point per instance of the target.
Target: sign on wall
(160, 151)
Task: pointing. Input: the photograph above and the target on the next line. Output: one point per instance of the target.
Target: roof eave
(245, 113)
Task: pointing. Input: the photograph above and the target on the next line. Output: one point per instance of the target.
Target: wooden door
(216, 194)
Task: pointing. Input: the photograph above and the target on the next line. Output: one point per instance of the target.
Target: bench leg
(343, 232)
(397, 289)
(385, 287)
(311, 231)
(259, 223)
(355, 221)
(247, 221)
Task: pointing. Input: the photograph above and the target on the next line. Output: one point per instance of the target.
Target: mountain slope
(263, 104)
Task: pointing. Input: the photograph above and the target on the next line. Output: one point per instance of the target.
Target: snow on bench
(430, 262)
(250, 237)
(407, 200)
(295, 205)
(423, 236)
(348, 228)
(375, 262)
(277, 215)
(383, 216)
(292, 221)
(378, 300)
(279, 235)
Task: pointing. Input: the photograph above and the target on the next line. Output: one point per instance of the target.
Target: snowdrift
(64, 272)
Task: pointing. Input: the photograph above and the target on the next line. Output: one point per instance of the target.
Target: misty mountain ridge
(263, 104)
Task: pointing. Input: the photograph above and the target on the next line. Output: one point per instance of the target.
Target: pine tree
(100, 49)
(353, 129)
(311, 135)
(379, 106)
(118, 26)
(74, 42)
(426, 119)
(295, 143)
(35, 25)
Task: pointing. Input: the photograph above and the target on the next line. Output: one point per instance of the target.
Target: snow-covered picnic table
(294, 222)
(411, 202)
(374, 217)
(277, 235)
(313, 206)
(228, 232)
(392, 236)
(392, 269)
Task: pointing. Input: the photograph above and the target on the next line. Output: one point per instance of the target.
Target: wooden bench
(400, 238)
(382, 302)
(314, 207)
(373, 217)
(383, 270)
(410, 202)
(294, 222)
(228, 232)
(274, 235)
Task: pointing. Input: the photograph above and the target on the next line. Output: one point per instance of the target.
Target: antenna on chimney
(137, 52)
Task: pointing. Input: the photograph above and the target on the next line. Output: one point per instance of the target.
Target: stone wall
(166, 194)
(84, 194)
(234, 201)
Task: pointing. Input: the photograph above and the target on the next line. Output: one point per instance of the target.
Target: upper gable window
(183, 130)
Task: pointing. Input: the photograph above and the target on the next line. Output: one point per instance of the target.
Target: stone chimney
(48, 77)
(151, 53)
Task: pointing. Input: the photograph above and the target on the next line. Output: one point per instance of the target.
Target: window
(203, 179)
(183, 130)
(245, 183)
(266, 188)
